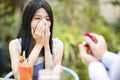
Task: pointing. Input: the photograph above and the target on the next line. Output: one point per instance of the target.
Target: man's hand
(85, 57)
(98, 48)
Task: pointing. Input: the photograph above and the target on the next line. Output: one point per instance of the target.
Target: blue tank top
(36, 68)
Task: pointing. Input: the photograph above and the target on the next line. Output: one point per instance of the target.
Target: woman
(35, 37)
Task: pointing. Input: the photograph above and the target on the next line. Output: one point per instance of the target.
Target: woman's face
(39, 16)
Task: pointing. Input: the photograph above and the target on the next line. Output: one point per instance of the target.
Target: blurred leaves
(6, 18)
(116, 2)
(9, 28)
(70, 40)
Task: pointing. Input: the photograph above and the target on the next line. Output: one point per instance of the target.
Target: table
(6, 79)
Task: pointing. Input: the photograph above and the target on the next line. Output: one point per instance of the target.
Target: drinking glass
(25, 71)
(48, 75)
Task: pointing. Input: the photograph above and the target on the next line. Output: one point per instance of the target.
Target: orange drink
(25, 71)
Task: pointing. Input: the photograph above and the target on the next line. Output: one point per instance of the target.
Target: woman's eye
(37, 18)
(48, 19)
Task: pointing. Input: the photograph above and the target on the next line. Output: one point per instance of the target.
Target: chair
(74, 74)
(68, 70)
(9, 75)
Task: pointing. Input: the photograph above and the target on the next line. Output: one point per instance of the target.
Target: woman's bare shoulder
(14, 46)
(57, 41)
(57, 46)
(13, 42)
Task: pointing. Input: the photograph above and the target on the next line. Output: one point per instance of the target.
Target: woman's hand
(38, 33)
(47, 34)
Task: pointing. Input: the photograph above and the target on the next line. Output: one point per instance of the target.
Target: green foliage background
(71, 20)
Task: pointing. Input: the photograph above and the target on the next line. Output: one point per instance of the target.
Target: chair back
(70, 71)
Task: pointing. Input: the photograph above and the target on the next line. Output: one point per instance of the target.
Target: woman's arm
(48, 58)
(34, 54)
(14, 56)
(55, 60)
(38, 36)
(48, 55)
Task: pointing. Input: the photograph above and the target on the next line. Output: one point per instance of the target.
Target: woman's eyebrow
(38, 15)
(41, 16)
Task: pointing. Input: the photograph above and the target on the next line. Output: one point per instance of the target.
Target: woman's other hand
(38, 33)
(47, 33)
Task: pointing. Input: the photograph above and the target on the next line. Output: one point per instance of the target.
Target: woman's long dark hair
(25, 31)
